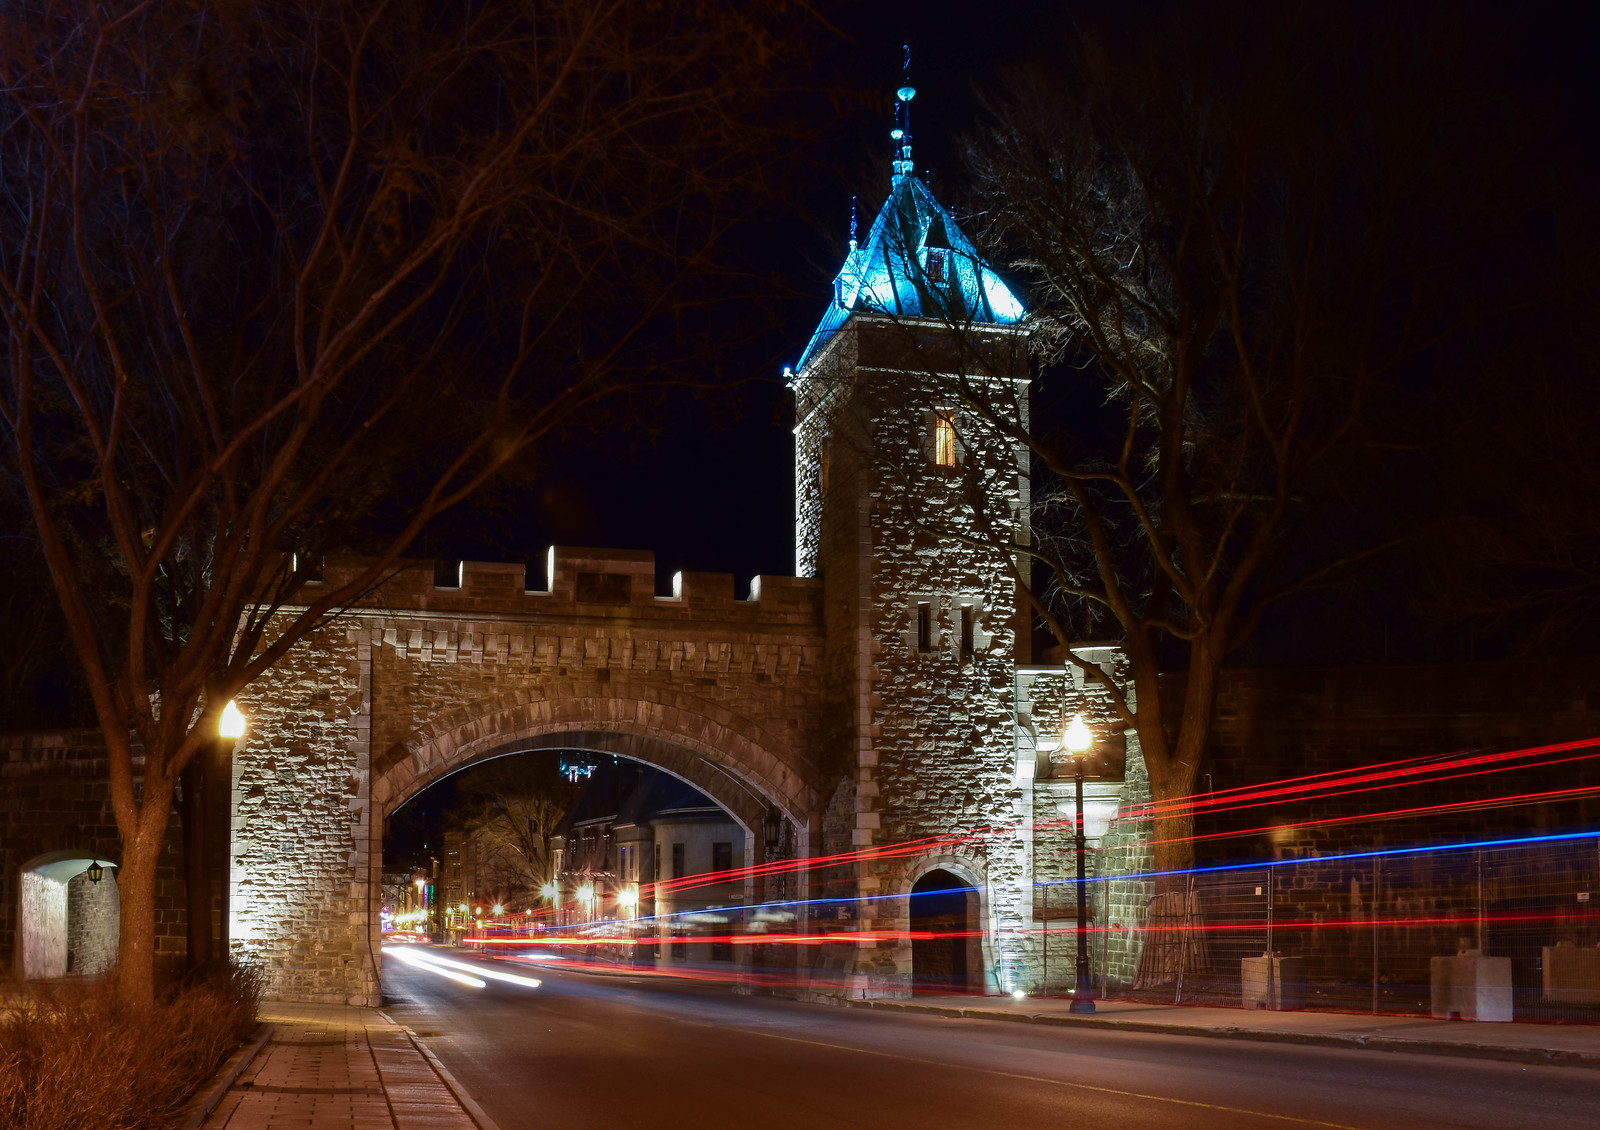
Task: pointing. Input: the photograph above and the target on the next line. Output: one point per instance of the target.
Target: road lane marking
(1037, 1078)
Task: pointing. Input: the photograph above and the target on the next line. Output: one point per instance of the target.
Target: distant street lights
(1078, 740)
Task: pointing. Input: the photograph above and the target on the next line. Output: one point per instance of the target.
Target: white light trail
(411, 957)
(445, 966)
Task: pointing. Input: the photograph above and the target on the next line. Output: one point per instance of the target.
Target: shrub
(71, 1057)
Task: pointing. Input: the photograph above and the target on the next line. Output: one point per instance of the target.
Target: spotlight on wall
(95, 871)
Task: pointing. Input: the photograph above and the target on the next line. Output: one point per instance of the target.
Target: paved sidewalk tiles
(338, 1067)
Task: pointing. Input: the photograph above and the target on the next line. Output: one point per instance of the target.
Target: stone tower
(922, 634)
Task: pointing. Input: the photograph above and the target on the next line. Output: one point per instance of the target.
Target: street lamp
(1078, 740)
(232, 722)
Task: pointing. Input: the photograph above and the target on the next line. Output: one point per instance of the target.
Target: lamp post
(1078, 739)
(206, 813)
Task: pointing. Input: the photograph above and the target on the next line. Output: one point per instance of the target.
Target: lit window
(944, 439)
(935, 264)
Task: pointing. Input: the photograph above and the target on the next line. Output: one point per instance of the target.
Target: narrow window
(966, 631)
(924, 626)
(722, 857)
(944, 438)
(655, 865)
(677, 861)
(936, 264)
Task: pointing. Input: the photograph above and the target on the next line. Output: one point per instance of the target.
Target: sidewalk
(333, 1066)
(1574, 1044)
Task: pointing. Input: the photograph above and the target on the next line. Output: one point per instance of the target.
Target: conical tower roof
(916, 263)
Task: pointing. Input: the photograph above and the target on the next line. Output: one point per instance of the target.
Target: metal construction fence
(1356, 932)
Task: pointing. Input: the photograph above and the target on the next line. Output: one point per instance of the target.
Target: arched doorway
(944, 942)
(69, 923)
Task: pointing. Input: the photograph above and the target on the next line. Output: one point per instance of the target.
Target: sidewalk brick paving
(338, 1067)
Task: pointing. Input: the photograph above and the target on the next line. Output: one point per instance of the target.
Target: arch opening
(946, 943)
(622, 834)
(68, 924)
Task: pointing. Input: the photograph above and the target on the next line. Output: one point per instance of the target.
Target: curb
(474, 1111)
(200, 1107)
(1543, 1056)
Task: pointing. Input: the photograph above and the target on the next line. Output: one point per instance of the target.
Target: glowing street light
(628, 898)
(499, 908)
(231, 723)
(586, 893)
(550, 891)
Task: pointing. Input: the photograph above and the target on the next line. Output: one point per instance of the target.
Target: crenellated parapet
(577, 583)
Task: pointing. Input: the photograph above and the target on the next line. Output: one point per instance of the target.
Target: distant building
(623, 853)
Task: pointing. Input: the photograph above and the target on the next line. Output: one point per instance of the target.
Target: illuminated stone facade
(425, 680)
(873, 700)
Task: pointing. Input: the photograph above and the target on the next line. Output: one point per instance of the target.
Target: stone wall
(921, 735)
(423, 680)
(93, 923)
(55, 803)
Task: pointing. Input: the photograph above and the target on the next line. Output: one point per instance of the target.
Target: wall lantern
(772, 830)
(95, 871)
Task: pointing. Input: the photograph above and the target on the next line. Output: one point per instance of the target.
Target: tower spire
(902, 112)
(852, 223)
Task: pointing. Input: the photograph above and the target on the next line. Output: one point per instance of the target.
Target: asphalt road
(607, 1051)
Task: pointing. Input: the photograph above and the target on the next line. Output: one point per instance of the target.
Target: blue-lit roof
(891, 273)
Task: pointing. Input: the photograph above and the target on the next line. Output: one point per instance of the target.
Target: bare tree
(510, 814)
(269, 266)
(1232, 264)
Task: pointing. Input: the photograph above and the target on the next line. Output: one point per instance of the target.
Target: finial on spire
(852, 223)
(902, 112)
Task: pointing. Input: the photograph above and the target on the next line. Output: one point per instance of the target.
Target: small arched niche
(69, 925)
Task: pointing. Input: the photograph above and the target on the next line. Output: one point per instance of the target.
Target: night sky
(706, 481)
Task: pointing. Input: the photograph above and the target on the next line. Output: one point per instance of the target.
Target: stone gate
(879, 699)
(422, 680)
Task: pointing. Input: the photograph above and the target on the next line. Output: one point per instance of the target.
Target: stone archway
(717, 752)
(723, 755)
(943, 911)
(68, 924)
(959, 964)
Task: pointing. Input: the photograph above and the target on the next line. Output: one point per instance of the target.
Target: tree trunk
(196, 882)
(136, 886)
(1174, 844)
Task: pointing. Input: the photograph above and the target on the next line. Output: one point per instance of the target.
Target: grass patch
(71, 1057)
